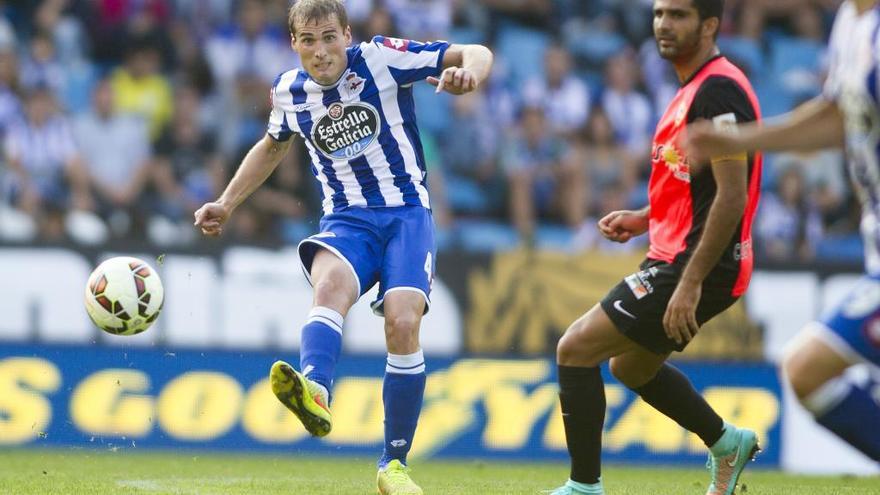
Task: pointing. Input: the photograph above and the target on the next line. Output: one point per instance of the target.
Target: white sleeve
(278, 126)
(831, 89)
(410, 60)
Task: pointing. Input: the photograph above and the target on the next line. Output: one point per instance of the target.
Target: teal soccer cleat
(572, 488)
(727, 468)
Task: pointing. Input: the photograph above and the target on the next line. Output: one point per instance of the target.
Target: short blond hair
(316, 10)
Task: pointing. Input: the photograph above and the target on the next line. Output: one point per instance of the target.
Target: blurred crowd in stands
(119, 117)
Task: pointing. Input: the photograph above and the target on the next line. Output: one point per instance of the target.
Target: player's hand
(704, 140)
(680, 319)
(622, 225)
(454, 80)
(211, 217)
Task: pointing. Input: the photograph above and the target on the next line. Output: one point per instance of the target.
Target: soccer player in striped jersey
(699, 263)
(353, 106)
(847, 114)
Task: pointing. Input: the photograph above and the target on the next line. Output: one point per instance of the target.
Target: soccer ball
(124, 296)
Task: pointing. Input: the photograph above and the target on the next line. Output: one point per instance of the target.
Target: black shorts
(637, 304)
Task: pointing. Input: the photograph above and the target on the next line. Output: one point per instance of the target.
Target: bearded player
(699, 220)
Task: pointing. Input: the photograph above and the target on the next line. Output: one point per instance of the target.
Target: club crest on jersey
(346, 130)
(352, 84)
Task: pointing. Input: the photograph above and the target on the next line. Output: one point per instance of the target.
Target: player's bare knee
(566, 348)
(402, 328)
(796, 369)
(575, 347)
(334, 293)
(805, 375)
(403, 322)
(809, 363)
(326, 288)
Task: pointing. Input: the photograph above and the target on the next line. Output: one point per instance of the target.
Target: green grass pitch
(72, 472)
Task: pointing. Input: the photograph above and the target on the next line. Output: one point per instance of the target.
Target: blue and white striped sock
(402, 393)
(320, 345)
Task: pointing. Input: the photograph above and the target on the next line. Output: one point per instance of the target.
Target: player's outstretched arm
(813, 125)
(255, 168)
(465, 67)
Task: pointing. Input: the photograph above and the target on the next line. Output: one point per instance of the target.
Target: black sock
(582, 396)
(671, 393)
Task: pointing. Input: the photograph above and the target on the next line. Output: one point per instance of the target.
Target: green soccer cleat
(305, 398)
(727, 468)
(395, 480)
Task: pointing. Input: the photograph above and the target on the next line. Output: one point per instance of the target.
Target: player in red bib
(699, 220)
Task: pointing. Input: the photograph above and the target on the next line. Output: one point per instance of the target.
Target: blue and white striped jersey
(854, 83)
(361, 132)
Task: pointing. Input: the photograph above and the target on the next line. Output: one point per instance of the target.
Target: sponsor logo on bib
(346, 130)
